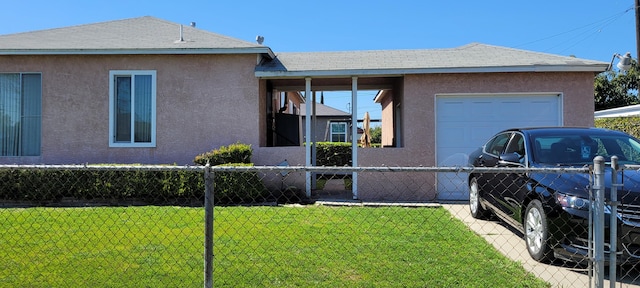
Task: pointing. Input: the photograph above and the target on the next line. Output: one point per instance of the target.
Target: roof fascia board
(399, 72)
(169, 51)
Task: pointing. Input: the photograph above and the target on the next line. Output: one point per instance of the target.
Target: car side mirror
(510, 157)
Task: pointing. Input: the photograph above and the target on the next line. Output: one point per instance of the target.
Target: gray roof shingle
(474, 57)
(324, 110)
(141, 35)
(149, 35)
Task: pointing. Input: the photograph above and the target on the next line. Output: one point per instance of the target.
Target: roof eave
(143, 51)
(596, 68)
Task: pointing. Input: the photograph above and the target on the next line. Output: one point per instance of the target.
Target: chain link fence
(292, 226)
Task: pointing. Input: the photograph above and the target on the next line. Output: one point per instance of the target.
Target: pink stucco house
(145, 90)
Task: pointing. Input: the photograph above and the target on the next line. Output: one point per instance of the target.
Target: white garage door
(465, 122)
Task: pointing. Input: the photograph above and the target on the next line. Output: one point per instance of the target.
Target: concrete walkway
(512, 245)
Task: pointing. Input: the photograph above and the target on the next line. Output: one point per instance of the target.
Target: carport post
(354, 134)
(308, 140)
(598, 220)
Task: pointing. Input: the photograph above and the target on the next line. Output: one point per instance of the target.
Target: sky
(589, 29)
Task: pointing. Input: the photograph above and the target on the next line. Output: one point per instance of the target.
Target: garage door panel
(465, 122)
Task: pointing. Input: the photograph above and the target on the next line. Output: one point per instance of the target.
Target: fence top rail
(629, 167)
(103, 167)
(455, 169)
(313, 169)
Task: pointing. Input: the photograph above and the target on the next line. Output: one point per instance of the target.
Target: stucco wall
(203, 102)
(419, 120)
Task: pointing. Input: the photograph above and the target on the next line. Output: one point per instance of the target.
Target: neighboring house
(626, 111)
(145, 90)
(331, 124)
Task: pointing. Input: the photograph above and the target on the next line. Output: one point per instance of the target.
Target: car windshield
(581, 149)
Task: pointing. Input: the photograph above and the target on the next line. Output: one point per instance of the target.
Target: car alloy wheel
(474, 200)
(536, 233)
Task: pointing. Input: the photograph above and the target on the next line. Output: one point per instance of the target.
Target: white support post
(307, 123)
(354, 135)
(314, 148)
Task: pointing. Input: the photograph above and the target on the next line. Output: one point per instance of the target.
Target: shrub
(154, 187)
(234, 153)
(630, 125)
(333, 154)
(238, 187)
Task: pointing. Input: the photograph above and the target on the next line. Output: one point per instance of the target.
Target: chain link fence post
(613, 225)
(598, 220)
(208, 233)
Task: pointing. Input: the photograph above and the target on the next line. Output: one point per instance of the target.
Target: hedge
(333, 154)
(630, 125)
(41, 187)
(239, 187)
(144, 185)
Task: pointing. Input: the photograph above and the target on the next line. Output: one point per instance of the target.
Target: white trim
(626, 111)
(449, 70)
(112, 74)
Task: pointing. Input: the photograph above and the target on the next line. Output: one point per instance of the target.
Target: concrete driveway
(512, 245)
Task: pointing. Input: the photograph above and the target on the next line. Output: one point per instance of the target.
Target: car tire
(536, 232)
(477, 211)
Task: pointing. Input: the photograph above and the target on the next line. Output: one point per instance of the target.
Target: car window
(581, 149)
(516, 145)
(626, 149)
(496, 145)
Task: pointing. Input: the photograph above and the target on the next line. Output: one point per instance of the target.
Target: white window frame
(112, 96)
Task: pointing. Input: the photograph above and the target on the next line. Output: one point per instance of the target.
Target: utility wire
(592, 29)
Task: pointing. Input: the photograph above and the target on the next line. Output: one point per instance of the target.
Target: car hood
(578, 184)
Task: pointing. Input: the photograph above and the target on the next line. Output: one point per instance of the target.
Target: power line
(591, 28)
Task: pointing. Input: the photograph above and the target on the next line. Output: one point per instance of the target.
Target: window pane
(338, 128)
(10, 114)
(339, 132)
(142, 98)
(123, 109)
(31, 114)
(20, 109)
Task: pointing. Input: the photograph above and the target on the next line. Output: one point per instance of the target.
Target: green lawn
(254, 247)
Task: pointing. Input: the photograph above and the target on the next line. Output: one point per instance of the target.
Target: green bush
(238, 187)
(154, 187)
(44, 187)
(333, 154)
(630, 125)
(234, 153)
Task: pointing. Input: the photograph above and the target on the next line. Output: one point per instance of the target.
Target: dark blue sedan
(552, 210)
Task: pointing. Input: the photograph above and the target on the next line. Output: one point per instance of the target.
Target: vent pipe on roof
(192, 24)
(181, 39)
